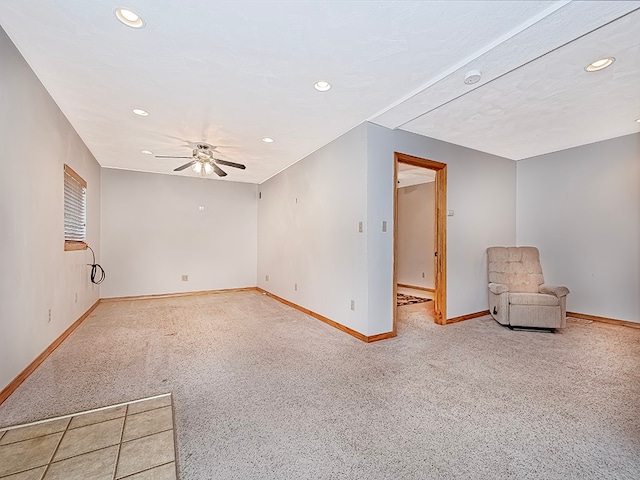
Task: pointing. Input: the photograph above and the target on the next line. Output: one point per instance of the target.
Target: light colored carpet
(262, 391)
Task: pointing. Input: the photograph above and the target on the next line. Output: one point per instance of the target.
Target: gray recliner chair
(518, 296)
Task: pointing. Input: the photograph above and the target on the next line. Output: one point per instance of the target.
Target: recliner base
(518, 328)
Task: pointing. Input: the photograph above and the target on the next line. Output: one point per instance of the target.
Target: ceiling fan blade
(170, 156)
(229, 164)
(218, 170)
(186, 165)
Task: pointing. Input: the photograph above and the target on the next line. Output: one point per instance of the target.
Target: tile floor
(132, 441)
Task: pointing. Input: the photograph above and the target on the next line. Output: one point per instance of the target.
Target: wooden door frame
(440, 300)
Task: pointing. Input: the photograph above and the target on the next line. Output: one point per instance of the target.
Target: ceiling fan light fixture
(140, 112)
(600, 64)
(322, 85)
(197, 167)
(208, 169)
(267, 140)
(129, 18)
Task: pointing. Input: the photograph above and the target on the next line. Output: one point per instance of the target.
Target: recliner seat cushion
(536, 299)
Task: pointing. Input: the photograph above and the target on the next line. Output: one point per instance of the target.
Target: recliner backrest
(517, 267)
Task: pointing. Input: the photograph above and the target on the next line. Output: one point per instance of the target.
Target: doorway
(439, 247)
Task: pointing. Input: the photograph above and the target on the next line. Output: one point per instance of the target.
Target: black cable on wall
(97, 272)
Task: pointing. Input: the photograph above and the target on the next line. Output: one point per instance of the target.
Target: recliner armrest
(558, 291)
(498, 288)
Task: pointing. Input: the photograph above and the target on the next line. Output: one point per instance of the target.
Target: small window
(75, 210)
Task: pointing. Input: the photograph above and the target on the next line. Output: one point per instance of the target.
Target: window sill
(74, 246)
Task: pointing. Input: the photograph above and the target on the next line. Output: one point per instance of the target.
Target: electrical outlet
(360, 227)
(266, 277)
(49, 316)
(185, 278)
(295, 287)
(423, 275)
(384, 225)
(353, 305)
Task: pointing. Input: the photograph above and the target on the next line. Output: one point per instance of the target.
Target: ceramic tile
(35, 474)
(146, 423)
(97, 417)
(144, 453)
(27, 454)
(25, 433)
(165, 472)
(149, 405)
(89, 438)
(97, 465)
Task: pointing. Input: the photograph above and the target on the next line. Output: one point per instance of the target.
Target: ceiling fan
(203, 162)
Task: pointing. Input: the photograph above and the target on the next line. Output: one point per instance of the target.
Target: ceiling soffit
(515, 69)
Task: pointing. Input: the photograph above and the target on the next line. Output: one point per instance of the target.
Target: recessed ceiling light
(141, 112)
(599, 64)
(129, 18)
(638, 120)
(147, 152)
(322, 86)
(267, 140)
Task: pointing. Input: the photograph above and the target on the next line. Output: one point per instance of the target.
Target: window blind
(75, 207)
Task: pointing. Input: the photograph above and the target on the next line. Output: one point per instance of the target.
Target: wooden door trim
(440, 298)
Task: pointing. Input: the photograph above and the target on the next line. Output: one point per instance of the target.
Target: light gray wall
(481, 189)
(416, 235)
(314, 241)
(308, 231)
(581, 208)
(153, 233)
(36, 140)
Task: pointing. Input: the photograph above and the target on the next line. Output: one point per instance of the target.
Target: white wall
(153, 233)
(481, 189)
(308, 231)
(36, 140)
(581, 208)
(315, 242)
(416, 235)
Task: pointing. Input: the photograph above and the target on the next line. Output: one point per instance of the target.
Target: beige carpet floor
(261, 391)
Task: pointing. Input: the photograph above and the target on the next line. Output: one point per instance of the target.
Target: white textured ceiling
(551, 103)
(231, 72)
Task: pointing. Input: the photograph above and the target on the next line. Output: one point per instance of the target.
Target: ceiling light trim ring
(128, 17)
(600, 64)
(322, 86)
